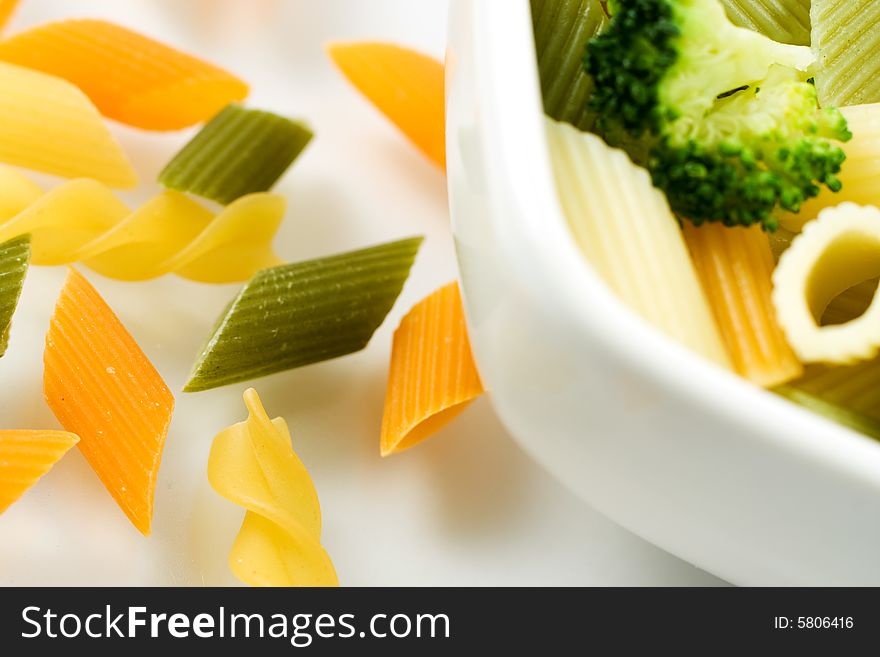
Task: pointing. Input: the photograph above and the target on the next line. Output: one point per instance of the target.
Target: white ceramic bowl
(729, 477)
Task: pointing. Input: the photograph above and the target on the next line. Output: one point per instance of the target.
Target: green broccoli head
(724, 118)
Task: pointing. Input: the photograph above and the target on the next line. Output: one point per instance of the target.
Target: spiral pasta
(252, 464)
(82, 220)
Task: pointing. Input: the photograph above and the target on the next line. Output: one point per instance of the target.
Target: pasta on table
(82, 220)
(252, 464)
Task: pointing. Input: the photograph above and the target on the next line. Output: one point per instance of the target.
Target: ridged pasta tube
(846, 38)
(626, 230)
(787, 21)
(860, 173)
(837, 251)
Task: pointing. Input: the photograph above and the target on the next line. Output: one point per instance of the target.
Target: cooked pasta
(860, 173)
(302, 313)
(856, 387)
(14, 259)
(432, 377)
(82, 220)
(48, 125)
(626, 230)
(842, 414)
(562, 30)
(846, 37)
(735, 266)
(787, 21)
(240, 151)
(101, 386)
(25, 456)
(405, 85)
(130, 78)
(253, 465)
(837, 251)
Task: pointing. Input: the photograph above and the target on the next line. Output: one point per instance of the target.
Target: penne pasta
(432, 376)
(129, 77)
(238, 152)
(25, 456)
(48, 125)
(83, 220)
(860, 172)
(101, 386)
(846, 38)
(839, 250)
(303, 313)
(405, 85)
(787, 21)
(627, 232)
(14, 259)
(253, 465)
(562, 30)
(7, 8)
(842, 414)
(735, 266)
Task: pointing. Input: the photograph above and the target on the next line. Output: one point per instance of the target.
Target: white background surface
(466, 507)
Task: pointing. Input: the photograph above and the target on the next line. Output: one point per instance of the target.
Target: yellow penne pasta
(837, 251)
(627, 232)
(846, 38)
(82, 220)
(735, 266)
(49, 125)
(787, 21)
(860, 173)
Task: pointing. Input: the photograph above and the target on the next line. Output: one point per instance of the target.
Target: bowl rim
(536, 231)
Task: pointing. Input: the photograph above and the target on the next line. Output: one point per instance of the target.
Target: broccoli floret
(725, 119)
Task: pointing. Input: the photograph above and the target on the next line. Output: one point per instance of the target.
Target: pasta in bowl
(652, 427)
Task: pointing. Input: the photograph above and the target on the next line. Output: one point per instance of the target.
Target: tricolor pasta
(860, 172)
(82, 220)
(7, 8)
(837, 251)
(25, 456)
(130, 78)
(607, 200)
(787, 21)
(432, 377)
(102, 387)
(405, 85)
(846, 37)
(49, 125)
(735, 265)
(252, 464)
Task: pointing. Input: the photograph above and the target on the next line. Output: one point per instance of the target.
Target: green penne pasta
(14, 257)
(562, 30)
(787, 21)
(238, 152)
(841, 415)
(302, 313)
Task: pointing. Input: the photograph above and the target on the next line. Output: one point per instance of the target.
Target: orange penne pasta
(6, 9)
(432, 377)
(25, 456)
(129, 77)
(735, 266)
(405, 85)
(101, 386)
